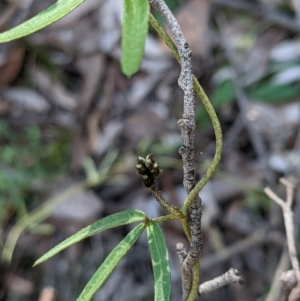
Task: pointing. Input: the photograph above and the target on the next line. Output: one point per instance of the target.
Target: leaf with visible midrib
(160, 262)
(110, 263)
(111, 221)
(134, 32)
(41, 20)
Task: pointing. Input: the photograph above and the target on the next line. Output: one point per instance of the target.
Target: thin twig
(289, 191)
(232, 276)
(286, 207)
(242, 245)
(187, 123)
(262, 11)
(165, 218)
(283, 264)
(160, 199)
(241, 96)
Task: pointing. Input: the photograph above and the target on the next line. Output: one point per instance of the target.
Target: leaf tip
(128, 71)
(39, 261)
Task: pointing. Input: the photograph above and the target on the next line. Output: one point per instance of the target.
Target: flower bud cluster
(148, 169)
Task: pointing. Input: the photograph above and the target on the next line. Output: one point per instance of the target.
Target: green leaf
(160, 262)
(275, 94)
(110, 263)
(111, 221)
(134, 32)
(43, 19)
(223, 94)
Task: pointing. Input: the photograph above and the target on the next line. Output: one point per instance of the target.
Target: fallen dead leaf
(54, 90)
(19, 286)
(92, 69)
(10, 69)
(81, 208)
(286, 51)
(105, 140)
(110, 17)
(145, 122)
(26, 99)
(47, 294)
(193, 18)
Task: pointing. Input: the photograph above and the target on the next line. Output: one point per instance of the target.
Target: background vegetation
(63, 98)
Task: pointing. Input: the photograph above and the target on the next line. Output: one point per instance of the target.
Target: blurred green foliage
(278, 66)
(274, 94)
(162, 147)
(266, 90)
(223, 94)
(28, 156)
(256, 200)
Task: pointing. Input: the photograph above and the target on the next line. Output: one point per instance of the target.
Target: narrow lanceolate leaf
(43, 19)
(111, 221)
(134, 32)
(160, 262)
(110, 263)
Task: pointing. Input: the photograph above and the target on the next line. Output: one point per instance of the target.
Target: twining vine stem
(192, 207)
(210, 110)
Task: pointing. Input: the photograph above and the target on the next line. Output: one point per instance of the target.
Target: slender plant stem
(232, 276)
(195, 284)
(193, 194)
(211, 112)
(38, 215)
(160, 199)
(219, 145)
(186, 227)
(161, 32)
(165, 218)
